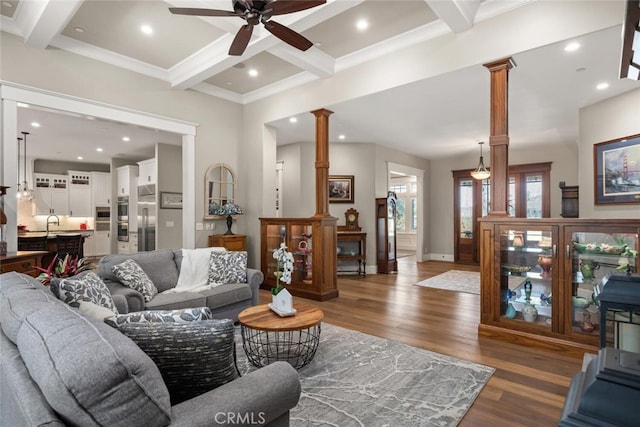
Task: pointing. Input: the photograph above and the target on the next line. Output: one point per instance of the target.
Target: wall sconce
(481, 172)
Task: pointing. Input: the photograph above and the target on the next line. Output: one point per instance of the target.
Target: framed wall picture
(617, 171)
(170, 200)
(341, 189)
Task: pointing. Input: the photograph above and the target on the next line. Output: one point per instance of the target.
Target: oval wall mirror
(219, 188)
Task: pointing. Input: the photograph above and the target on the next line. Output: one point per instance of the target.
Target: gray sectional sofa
(59, 367)
(163, 268)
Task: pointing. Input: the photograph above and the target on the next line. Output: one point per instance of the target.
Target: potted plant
(66, 267)
(284, 269)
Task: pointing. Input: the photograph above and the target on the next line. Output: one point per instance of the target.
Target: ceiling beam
(457, 14)
(212, 59)
(314, 60)
(42, 21)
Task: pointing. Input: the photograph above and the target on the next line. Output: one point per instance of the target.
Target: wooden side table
(267, 337)
(233, 242)
(353, 249)
(22, 262)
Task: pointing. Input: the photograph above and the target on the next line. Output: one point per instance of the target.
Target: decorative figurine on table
(527, 290)
(510, 294)
(545, 300)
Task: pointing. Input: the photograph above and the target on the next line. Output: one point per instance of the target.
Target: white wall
(613, 118)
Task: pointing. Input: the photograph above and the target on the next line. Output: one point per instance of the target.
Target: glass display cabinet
(539, 276)
(595, 254)
(308, 239)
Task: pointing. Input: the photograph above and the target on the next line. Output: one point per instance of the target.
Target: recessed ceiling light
(602, 86)
(341, 136)
(90, 118)
(80, 157)
(317, 44)
(22, 105)
(362, 24)
(581, 69)
(126, 139)
(7, 4)
(293, 120)
(572, 47)
(253, 72)
(146, 29)
(35, 124)
(99, 150)
(229, 83)
(78, 29)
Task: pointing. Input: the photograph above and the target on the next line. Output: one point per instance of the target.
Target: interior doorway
(408, 185)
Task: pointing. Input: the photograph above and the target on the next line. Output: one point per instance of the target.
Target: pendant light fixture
(23, 191)
(481, 172)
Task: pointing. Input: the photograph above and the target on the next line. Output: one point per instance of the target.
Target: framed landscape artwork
(170, 200)
(617, 171)
(341, 189)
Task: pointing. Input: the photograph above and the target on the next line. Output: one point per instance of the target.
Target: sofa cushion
(177, 300)
(18, 302)
(90, 373)
(160, 316)
(88, 288)
(227, 294)
(133, 276)
(228, 267)
(159, 265)
(93, 311)
(193, 357)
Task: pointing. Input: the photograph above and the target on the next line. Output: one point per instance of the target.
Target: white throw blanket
(194, 270)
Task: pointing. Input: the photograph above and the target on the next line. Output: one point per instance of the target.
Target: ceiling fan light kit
(481, 171)
(255, 12)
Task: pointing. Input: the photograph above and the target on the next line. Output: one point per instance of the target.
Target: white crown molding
(109, 57)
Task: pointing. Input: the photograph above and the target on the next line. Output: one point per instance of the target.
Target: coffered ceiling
(191, 53)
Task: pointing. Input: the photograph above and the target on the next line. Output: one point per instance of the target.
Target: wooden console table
(22, 262)
(352, 252)
(233, 242)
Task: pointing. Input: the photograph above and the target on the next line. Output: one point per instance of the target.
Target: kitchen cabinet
(80, 194)
(539, 277)
(127, 180)
(147, 172)
(101, 189)
(102, 243)
(312, 242)
(50, 194)
(88, 247)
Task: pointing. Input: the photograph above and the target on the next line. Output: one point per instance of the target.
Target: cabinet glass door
(528, 277)
(594, 256)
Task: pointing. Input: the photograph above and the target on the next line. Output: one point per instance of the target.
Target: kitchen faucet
(56, 222)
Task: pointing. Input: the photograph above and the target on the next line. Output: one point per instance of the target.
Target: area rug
(454, 280)
(361, 380)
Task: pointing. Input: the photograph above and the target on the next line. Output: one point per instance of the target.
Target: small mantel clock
(351, 220)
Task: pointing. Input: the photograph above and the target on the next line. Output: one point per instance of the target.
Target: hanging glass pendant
(481, 171)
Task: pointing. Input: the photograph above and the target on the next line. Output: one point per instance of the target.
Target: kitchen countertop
(52, 234)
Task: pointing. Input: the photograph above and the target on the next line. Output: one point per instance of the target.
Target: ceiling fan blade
(287, 35)
(241, 40)
(201, 12)
(280, 7)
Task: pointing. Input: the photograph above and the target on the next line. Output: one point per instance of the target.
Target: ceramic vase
(511, 311)
(529, 312)
(587, 268)
(545, 262)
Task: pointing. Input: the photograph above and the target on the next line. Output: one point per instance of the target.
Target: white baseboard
(439, 257)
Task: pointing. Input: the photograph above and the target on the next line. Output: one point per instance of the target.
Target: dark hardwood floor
(529, 385)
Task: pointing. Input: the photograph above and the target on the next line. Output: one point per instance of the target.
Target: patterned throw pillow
(134, 277)
(161, 316)
(193, 357)
(88, 288)
(227, 267)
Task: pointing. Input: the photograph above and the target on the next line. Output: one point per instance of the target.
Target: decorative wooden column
(322, 162)
(499, 136)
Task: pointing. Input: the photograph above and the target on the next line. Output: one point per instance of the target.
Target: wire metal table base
(265, 347)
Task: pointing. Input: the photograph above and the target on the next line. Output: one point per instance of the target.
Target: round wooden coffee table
(267, 337)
